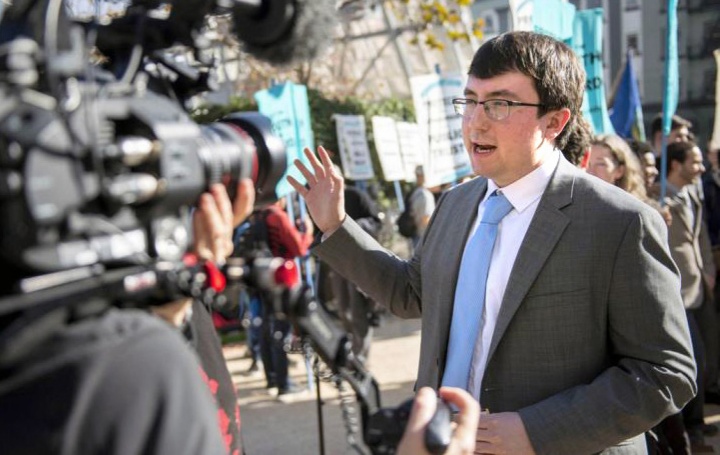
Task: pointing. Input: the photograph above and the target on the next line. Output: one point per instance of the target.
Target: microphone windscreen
(303, 35)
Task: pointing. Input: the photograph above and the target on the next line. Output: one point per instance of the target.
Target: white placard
(354, 151)
(388, 148)
(413, 147)
(447, 160)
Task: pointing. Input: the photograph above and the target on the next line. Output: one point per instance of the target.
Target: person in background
(711, 187)
(273, 230)
(422, 202)
(646, 156)
(711, 190)
(687, 239)
(612, 160)
(577, 149)
(213, 222)
(579, 342)
(679, 132)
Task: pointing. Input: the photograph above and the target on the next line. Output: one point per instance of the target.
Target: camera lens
(242, 145)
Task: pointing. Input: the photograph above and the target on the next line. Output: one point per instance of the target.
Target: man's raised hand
(324, 191)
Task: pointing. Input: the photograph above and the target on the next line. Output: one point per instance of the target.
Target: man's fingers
(312, 159)
(422, 410)
(325, 158)
(466, 419)
(244, 201)
(309, 176)
(299, 187)
(317, 166)
(223, 204)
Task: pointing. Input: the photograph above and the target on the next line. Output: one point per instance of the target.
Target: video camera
(101, 163)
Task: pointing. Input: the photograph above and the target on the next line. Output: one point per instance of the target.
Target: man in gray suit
(582, 342)
(690, 249)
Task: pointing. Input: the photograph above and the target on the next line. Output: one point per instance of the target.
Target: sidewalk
(290, 426)
(274, 427)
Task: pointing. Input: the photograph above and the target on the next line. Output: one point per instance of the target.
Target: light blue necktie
(470, 292)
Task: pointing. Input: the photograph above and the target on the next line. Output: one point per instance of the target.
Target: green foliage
(322, 110)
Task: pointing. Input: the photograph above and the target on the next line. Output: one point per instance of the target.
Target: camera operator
(92, 379)
(213, 223)
(463, 440)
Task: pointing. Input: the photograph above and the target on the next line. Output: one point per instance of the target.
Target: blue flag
(626, 112)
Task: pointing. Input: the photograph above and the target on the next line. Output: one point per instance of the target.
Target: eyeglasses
(494, 109)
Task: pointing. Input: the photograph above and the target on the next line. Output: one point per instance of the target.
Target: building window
(593, 4)
(504, 18)
(632, 44)
(492, 22)
(632, 4)
(709, 84)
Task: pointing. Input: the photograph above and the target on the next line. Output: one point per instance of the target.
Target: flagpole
(670, 96)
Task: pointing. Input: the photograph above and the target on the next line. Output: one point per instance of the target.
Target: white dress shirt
(524, 195)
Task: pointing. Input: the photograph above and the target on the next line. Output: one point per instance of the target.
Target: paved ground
(291, 426)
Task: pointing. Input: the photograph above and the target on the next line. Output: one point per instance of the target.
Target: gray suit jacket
(690, 248)
(591, 345)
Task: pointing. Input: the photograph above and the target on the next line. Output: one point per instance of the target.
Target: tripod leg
(319, 404)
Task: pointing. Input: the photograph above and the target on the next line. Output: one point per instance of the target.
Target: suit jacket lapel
(543, 234)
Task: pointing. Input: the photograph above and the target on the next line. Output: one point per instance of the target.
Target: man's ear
(556, 122)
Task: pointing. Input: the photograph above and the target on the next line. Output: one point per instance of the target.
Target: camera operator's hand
(213, 223)
(216, 217)
(463, 439)
(324, 192)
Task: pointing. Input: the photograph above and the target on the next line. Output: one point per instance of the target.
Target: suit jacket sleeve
(379, 273)
(654, 374)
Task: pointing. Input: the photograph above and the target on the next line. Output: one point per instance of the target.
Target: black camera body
(101, 164)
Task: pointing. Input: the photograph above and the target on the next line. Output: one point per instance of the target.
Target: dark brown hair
(557, 73)
(675, 122)
(678, 151)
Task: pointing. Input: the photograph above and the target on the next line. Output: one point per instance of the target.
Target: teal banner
(554, 18)
(587, 42)
(287, 107)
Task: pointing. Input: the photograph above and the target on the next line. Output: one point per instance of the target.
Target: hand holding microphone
(424, 414)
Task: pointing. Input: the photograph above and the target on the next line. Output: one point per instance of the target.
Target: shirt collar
(526, 190)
